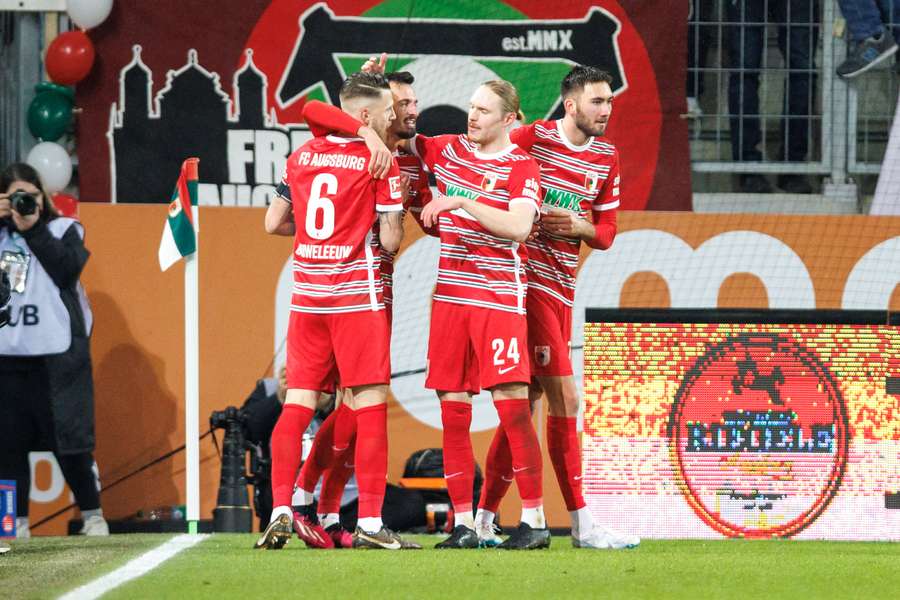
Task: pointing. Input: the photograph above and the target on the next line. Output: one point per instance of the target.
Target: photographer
(46, 387)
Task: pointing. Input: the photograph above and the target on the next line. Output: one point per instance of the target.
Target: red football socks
(320, 455)
(565, 454)
(498, 473)
(459, 460)
(335, 480)
(341, 469)
(344, 430)
(371, 458)
(287, 438)
(515, 415)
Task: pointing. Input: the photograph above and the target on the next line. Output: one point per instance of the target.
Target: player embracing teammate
(337, 294)
(488, 204)
(331, 456)
(479, 335)
(580, 191)
(489, 189)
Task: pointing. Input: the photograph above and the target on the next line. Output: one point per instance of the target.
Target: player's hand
(535, 230)
(563, 222)
(432, 211)
(380, 157)
(404, 189)
(375, 64)
(5, 208)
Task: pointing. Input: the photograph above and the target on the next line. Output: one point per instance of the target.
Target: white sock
(484, 518)
(534, 517)
(582, 521)
(464, 518)
(326, 520)
(87, 514)
(370, 524)
(281, 510)
(301, 497)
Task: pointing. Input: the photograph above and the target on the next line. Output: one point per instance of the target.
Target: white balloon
(53, 164)
(89, 13)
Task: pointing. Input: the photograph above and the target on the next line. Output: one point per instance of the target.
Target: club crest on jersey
(489, 182)
(542, 355)
(591, 181)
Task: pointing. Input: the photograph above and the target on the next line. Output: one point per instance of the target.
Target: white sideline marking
(139, 566)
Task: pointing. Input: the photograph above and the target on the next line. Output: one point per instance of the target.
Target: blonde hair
(509, 97)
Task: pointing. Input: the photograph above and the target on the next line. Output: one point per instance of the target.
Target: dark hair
(363, 85)
(581, 75)
(400, 77)
(25, 172)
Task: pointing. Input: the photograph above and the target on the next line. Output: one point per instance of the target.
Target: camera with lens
(219, 419)
(232, 512)
(23, 203)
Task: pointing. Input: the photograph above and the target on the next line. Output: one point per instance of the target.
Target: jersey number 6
(327, 183)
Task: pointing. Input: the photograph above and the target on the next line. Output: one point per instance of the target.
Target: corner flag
(179, 238)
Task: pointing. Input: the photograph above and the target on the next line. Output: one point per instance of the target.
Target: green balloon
(49, 115)
(49, 86)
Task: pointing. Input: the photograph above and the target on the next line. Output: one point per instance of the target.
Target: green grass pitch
(225, 566)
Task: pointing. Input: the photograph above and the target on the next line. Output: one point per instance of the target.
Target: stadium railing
(848, 125)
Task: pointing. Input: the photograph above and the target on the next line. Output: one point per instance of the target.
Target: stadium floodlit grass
(224, 566)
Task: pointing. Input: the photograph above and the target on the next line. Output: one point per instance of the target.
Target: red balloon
(70, 57)
(66, 205)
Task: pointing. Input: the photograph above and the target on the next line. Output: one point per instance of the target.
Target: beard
(404, 133)
(588, 127)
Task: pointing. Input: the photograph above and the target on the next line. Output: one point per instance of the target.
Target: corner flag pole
(192, 377)
(180, 239)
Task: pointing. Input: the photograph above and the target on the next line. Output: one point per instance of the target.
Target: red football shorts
(472, 348)
(354, 348)
(549, 336)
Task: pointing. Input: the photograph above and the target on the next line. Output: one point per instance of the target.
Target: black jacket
(70, 381)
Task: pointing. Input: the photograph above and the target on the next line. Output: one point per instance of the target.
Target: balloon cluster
(69, 59)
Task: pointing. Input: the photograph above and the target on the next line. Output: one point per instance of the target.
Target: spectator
(700, 39)
(797, 32)
(46, 386)
(869, 24)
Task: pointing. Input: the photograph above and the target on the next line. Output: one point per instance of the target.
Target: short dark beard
(405, 134)
(584, 126)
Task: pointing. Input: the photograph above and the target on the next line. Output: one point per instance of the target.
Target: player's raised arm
(375, 64)
(523, 137)
(324, 118)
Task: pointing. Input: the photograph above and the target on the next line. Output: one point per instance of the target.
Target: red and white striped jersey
(582, 179)
(335, 201)
(419, 195)
(477, 268)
